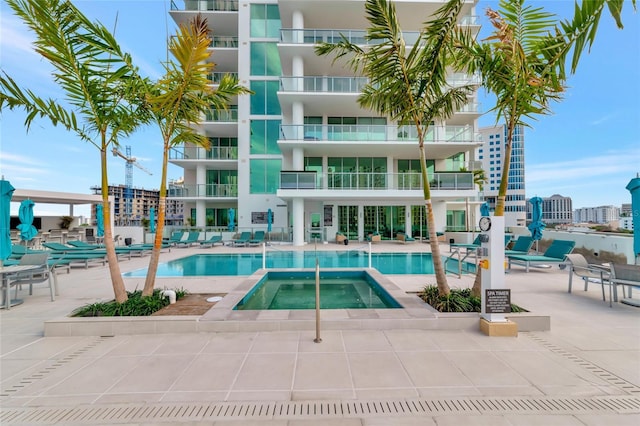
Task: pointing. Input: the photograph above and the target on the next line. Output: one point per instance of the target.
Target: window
(264, 101)
(265, 59)
(265, 21)
(264, 137)
(264, 176)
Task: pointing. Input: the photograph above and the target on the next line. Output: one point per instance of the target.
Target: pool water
(297, 290)
(248, 263)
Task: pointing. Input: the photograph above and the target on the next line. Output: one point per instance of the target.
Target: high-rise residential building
(601, 214)
(626, 209)
(491, 153)
(555, 210)
(302, 147)
(142, 200)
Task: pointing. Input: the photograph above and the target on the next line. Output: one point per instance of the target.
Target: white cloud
(603, 119)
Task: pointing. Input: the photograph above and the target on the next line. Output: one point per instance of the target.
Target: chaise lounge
(211, 242)
(258, 238)
(242, 240)
(521, 247)
(554, 254)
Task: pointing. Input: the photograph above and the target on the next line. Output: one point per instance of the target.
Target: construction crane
(128, 181)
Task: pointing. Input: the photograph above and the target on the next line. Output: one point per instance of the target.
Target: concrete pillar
(201, 213)
(298, 221)
(297, 159)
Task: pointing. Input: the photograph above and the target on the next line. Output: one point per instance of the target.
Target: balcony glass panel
(219, 5)
(222, 115)
(375, 181)
(357, 132)
(299, 36)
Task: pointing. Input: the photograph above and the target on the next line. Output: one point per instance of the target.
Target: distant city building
(555, 210)
(142, 200)
(625, 209)
(491, 154)
(601, 214)
(626, 222)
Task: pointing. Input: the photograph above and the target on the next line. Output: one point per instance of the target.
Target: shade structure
(536, 226)
(6, 192)
(25, 214)
(231, 216)
(634, 188)
(484, 209)
(269, 220)
(99, 221)
(152, 220)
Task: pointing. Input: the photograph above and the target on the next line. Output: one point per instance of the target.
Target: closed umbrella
(269, 220)
(484, 209)
(99, 221)
(634, 188)
(152, 220)
(6, 192)
(231, 215)
(25, 214)
(536, 226)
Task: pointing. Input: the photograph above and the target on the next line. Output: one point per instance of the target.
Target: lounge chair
(589, 273)
(626, 276)
(468, 247)
(174, 238)
(258, 238)
(340, 238)
(243, 240)
(128, 251)
(404, 238)
(211, 242)
(554, 254)
(191, 239)
(374, 238)
(63, 248)
(522, 246)
(38, 274)
(85, 245)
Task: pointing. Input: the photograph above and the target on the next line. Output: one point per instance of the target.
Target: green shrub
(458, 300)
(136, 305)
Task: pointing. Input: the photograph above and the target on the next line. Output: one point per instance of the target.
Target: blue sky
(588, 149)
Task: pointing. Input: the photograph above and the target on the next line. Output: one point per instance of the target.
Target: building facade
(491, 153)
(601, 214)
(131, 210)
(555, 210)
(302, 147)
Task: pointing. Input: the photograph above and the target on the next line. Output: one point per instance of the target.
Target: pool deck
(585, 370)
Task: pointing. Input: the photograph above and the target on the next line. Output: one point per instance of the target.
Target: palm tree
(408, 84)
(177, 102)
(523, 64)
(96, 77)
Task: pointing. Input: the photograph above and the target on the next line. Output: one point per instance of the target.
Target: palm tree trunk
(438, 266)
(119, 290)
(150, 280)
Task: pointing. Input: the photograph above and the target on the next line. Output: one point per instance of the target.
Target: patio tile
(377, 370)
(209, 372)
(266, 372)
(428, 369)
(365, 341)
(229, 342)
(154, 373)
(484, 369)
(276, 341)
(322, 371)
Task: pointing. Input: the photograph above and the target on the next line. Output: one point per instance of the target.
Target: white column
(201, 213)
(297, 20)
(298, 221)
(297, 158)
(201, 180)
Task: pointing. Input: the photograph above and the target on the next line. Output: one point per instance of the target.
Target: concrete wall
(597, 241)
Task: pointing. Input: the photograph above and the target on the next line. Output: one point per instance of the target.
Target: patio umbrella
(231, 215)
(269, 220)
(484, 209)
(634, 188)
(536, 226)
(6, 192)
(152, 220)
(99, 221)
(25, 214)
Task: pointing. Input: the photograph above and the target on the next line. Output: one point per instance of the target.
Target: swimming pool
(296, 290)
(247, 263)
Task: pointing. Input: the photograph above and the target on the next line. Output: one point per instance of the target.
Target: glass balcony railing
(204, 5)
(302, 36)
(369, 133)
(214, 153)
(222, 115)
(224, 41)
(204, 190)
(216, 77)
(323, 84)
(375, 181)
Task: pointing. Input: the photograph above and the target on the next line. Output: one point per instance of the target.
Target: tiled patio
(584, 371)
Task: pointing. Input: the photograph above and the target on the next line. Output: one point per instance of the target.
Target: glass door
(348, 221)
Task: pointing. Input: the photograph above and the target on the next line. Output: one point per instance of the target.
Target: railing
(368, 133)
(216, 77)
(375, 181)
(301, 36)
(214, 153)
(203, 5)
(224, 41)
(323, 84)
(203, 190)
(222, 115)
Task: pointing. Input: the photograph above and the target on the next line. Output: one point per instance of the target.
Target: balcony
(215, 153)
(310, 36)
(221, 190)
(225, 116)
(216, 77)
(224, 41)
(323, 84)
(305, 180)
(371, 133)
(206, 5)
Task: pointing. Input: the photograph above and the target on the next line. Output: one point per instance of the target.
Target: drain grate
(130, 413)
(610, 378)
(40, 374)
